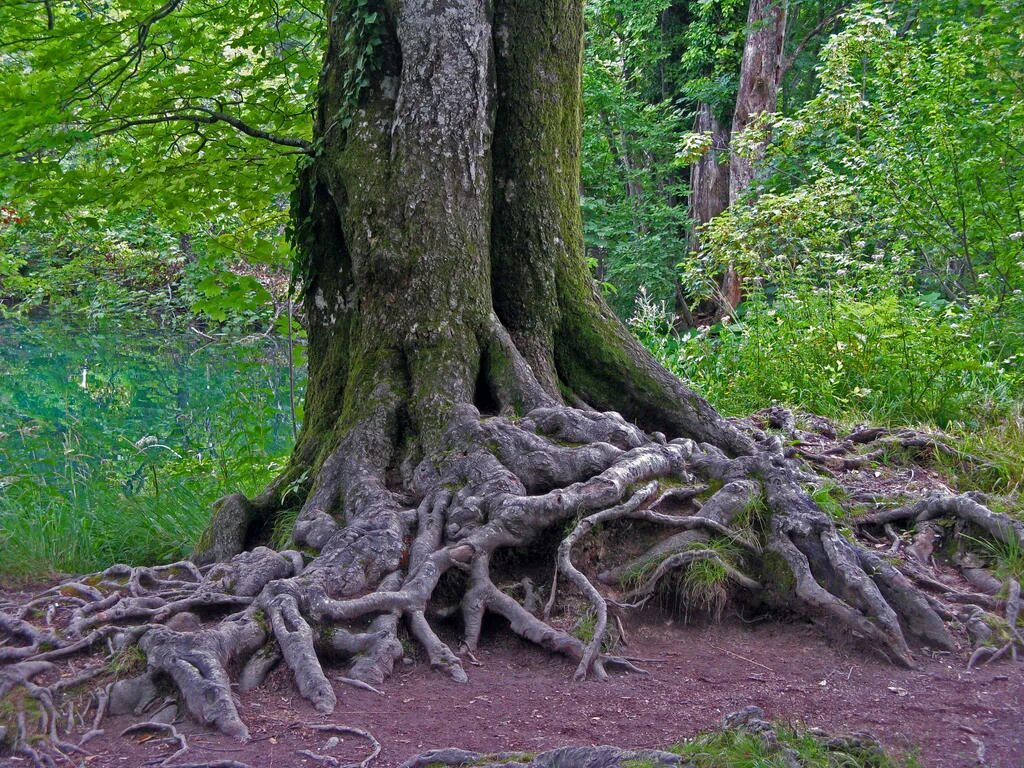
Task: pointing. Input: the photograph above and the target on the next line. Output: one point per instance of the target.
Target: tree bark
(709, 176)
(758, 92)
(444, 241)
(709, 184)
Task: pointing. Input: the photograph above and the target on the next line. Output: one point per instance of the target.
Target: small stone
(131, 696)
(743, 716)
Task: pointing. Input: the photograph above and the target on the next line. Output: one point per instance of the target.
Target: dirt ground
(522, 698)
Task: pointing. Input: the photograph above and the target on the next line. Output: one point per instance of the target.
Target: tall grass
(43, 532)
(115, 443)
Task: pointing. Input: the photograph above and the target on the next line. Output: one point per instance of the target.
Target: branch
(210, 117)
(820, 27)
(132, 56)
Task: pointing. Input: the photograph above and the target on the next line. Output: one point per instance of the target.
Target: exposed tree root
(333, 762)
(376, 561)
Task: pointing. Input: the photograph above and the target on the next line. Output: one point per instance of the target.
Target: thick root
(495, 485)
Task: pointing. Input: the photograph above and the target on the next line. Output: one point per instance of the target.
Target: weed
(583, 630)
(129, 661)
(829, 496)
(990, 455)
(284, 524)
(1005, 558)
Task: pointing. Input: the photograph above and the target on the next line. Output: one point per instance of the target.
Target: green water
(114, 441)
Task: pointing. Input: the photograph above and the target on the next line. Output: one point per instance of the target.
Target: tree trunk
(709, 182)
(758, 92)
(709, 176)
(445, 243)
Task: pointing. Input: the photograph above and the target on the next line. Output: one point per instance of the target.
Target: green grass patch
(127, 662)
(829, 496)
(741, 749)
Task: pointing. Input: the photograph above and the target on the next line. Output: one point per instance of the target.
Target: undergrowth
(896, 359)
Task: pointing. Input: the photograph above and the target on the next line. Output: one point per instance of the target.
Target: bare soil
(522, 698)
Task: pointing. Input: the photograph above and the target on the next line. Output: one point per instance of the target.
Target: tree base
(703, 527)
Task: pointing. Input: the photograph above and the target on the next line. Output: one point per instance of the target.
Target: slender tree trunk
(709, 176)
(758, 92)
(709, 181)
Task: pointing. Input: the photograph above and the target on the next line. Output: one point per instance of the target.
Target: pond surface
(99, 424)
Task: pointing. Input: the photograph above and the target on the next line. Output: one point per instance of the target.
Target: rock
(167, 714)
(859, 741)
(131, 696)
(743, 717)
(224, 536)
(186, 621)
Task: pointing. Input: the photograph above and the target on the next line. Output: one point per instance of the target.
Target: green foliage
(362, 36)
(925, 133)
(99, 271)
(829, 497)
(128, 265)
(633, 225)
(883, 250)
(897, 356)
(116, 441)
(119, 107)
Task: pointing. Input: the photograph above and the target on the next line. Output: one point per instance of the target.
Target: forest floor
(522, 698)
(519, 697)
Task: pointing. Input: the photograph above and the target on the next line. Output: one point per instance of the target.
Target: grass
(702, 585)
(1005, 558)
(127, 662)
(44, 533)
(699, 586)
(997, 440)
(741, 749)
(583, 629)
(115, 442)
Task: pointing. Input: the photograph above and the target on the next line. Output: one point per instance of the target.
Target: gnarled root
(494, 485)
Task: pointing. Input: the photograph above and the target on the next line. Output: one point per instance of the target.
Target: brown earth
(522, 698)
